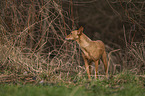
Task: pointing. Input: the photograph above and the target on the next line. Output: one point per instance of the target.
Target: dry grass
(32, 42)
(33, 48)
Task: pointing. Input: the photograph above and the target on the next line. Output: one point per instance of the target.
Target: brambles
(33, 48)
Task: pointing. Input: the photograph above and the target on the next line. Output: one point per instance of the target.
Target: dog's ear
(80, 31)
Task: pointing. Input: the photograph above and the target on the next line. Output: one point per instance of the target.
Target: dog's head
(74, 35)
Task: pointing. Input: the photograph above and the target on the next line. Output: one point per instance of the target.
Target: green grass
(123, 84)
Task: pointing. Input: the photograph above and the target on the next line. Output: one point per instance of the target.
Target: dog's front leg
(87, 66)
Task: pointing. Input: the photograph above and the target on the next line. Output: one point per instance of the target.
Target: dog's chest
(92, 53)
(87, 54)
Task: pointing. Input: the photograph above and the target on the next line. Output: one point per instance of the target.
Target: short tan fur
(91, 50)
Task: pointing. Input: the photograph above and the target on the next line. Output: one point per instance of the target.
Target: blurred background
(32, 36)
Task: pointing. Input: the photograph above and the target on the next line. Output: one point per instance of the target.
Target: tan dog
(91, 50)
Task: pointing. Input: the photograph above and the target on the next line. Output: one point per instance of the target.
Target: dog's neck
(83, 40)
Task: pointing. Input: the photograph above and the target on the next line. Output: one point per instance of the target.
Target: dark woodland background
(108, 20)
(32, 35)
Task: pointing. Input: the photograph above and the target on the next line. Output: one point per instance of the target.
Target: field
(36, 60)
(123, 84)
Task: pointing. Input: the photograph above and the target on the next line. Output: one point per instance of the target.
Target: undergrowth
(35, 58)
(123, 84)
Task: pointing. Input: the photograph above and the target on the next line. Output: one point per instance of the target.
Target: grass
(33, 49)
(123, 84)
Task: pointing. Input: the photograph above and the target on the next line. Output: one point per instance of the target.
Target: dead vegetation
(33, 48)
